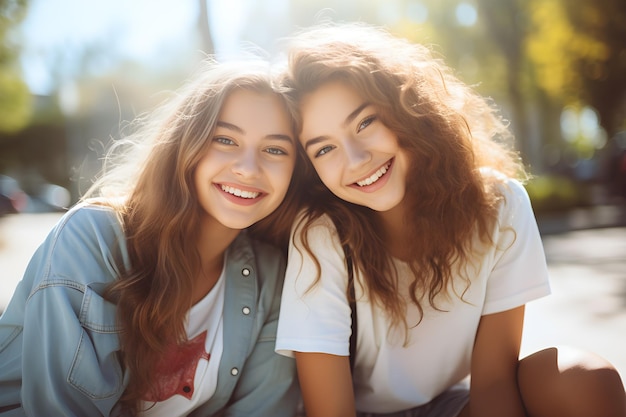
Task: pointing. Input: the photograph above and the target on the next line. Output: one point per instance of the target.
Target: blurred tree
(15, 100)
(460, 43)
(483, 41)
(578, 55)
(206, 40)
(602, 67)
(506, 25)
(578, 50)
(551, 47)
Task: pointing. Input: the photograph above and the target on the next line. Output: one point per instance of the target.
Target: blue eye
(324, 150)
(366, 122)
(276, 151)
(223, 140)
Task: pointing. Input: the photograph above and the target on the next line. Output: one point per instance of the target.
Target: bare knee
(569, 382)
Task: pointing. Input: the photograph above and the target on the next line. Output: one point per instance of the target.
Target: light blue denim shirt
(59, 347)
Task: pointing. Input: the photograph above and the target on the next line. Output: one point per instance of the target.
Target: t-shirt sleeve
(519, 273)
(315, 314)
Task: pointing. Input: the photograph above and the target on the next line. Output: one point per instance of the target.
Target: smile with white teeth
(375, 176)
(239, 193)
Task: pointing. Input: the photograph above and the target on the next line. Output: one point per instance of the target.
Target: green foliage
(11, 13)
(15, 101)
(578, 51)
(467, 49)
(603, 76)
(555, 46)
(555, 193)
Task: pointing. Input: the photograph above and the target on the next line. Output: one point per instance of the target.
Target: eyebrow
(346, 122)
(239, 130)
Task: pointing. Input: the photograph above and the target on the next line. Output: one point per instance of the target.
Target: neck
(395, 232)
(212, 243)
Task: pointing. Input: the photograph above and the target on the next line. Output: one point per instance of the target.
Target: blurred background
(74, 72)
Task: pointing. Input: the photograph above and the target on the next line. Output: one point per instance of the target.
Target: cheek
(281, 175)
(200, 171)
(197, 178)
(329, 174)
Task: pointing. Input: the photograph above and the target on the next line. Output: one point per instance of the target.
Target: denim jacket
(59, 346)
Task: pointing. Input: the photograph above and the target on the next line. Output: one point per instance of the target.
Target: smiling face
(355, 155)
(245, 173)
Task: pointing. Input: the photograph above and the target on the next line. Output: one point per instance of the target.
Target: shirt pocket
(96, 369)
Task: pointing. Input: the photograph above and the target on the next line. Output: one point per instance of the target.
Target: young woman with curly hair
(417, 189)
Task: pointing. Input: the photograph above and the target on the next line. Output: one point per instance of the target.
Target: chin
(388, 206)
(236, 224)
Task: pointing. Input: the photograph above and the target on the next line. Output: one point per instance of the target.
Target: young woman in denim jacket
(157, 296)
(416, 179)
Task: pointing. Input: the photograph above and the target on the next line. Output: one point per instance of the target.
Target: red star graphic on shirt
(176, 370)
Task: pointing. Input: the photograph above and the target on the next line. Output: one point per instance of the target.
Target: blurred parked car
(50, 197)
(12, 198)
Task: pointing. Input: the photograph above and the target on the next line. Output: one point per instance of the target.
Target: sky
(139, 29)
(55, 31)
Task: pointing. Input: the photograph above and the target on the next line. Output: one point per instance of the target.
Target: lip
(379, 183)
(244, 200)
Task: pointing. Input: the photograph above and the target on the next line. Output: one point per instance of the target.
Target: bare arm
(494, 390)
(326, 384)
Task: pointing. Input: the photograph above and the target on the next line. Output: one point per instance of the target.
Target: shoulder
(83, 253)
(87, 238)
(89, 219)
(513, 191)
(314, 230)
(516, 208)
(516, 227)
(514, 202)
(315, 251)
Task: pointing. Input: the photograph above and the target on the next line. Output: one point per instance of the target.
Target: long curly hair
(450, 133)
(152, 190)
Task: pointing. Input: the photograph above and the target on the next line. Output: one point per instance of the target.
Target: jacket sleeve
(69, 363)
(268, 385)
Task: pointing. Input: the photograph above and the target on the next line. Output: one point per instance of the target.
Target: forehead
(253, 110)
(327, 107)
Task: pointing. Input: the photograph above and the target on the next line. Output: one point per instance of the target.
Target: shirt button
(245, 310)
(245, 272)
(234, 372)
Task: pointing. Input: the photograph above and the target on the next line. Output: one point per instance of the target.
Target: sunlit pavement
(587, 308)
(20, 235)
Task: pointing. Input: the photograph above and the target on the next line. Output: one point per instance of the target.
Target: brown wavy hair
(155, 198)
(449, 131)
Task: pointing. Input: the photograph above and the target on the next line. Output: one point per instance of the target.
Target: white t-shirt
(192, 377)
(389, 377)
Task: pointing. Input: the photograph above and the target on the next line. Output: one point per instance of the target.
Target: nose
(356, 153)
(246, 165)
